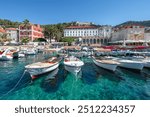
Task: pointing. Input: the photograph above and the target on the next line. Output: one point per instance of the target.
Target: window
(98, 41)
(87, 41)
(91, 41)
(84, 41)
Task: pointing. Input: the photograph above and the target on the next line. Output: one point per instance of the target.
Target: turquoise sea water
(92, 83)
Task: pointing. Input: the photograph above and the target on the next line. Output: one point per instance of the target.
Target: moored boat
(106, 64)
(146, 62)
(40, 68)
(73, 64)
(131, 64)
(8, 54)
(31, 51)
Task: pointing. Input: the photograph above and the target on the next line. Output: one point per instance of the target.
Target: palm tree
(55, 31)
(26, 21)
(49, 32)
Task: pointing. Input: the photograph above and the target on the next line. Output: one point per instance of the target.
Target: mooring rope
(14, 86)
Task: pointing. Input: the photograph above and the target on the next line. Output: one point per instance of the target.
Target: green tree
(25, 40)
(55, 31)
(40, 40)
(48, 32)
(26, 22)
(7, 23)
(69, 40)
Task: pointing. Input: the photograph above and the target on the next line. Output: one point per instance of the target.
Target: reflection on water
(92, 82)
(53, 80)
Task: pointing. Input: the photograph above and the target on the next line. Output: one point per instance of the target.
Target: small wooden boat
(106, 64)
(40, 68)
(73, 64)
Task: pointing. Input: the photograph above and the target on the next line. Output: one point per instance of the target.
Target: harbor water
(92, 82)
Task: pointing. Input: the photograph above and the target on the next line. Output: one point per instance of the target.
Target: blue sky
(111, 12)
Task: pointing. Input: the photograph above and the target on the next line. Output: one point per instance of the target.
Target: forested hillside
(143, 23)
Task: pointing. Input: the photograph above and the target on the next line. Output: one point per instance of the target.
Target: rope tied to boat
(14, 86)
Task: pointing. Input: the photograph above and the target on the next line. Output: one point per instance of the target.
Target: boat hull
(147, 64)
(73, 69)
(73, 65)
(5, 58)
(34, 72)
(111, 67)
(131, 65)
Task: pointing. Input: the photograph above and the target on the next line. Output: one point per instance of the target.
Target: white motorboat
(5, 57)
(21, 55)
(73, 64)
(32, 51)
(106, 64)
(40, 68)
(131, 64)
(8, 54)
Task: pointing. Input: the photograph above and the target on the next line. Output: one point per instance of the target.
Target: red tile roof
(81, 27)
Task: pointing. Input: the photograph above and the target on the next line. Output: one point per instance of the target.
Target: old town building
(89, 33)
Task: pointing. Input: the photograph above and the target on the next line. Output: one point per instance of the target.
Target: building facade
(30, 31)
(80, 31)
(94, 40)
(12, 34)
(105, 31)
(132, 34)
(89, 34)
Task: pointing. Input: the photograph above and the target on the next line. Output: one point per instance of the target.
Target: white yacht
(106, 64)
(73, 64)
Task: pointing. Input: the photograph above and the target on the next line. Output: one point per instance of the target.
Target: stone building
(132, 35)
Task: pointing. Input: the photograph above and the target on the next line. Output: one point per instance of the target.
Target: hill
(7, 23)
(142, 23)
